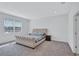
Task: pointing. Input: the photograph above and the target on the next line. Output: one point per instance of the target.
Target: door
(77, 34)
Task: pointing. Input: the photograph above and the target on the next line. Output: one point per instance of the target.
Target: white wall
(70, 32)
(57, 26)
(4, 37)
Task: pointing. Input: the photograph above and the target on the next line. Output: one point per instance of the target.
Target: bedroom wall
(57, 26)
(71, 32)
(5, 37)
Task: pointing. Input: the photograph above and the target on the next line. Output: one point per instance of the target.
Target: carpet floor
(47, 48)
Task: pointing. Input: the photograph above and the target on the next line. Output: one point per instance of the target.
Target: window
(18, 26)
(8, 25)
(11, 25)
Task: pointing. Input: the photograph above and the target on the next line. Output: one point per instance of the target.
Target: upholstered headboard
(41, 30)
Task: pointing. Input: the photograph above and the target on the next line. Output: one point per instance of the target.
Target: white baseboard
(7, 44)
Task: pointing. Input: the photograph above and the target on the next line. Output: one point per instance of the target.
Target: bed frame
(30, 43)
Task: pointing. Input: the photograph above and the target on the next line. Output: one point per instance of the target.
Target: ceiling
(36, 10)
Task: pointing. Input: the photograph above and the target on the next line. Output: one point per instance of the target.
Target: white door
(77, 34)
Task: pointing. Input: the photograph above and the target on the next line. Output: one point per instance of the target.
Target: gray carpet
(47, 48)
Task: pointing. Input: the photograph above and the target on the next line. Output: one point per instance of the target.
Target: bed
(32, 39)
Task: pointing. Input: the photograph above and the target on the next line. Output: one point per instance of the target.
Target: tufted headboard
(40, 30)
